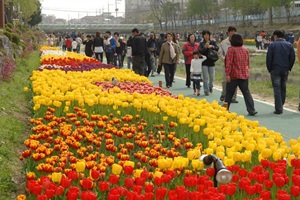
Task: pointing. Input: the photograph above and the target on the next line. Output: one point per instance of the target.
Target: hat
(121, 38)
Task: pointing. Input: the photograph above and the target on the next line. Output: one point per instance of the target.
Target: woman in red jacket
(188, 48)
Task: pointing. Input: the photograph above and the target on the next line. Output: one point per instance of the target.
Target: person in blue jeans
(280, 60)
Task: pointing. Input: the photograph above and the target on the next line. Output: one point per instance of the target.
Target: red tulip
(73, 193)
(265, 163)
(149, 187)
(200, 188)
(235, 178)
(296, 179)
(257, 169)
(182, 193)
(279, 181)
(265, 195)
(283, 195)
(171, 173)
(103, 186)
(128, 170)
(45, 181)
(65, 182)
(190, 181)
(88, 195)
(86, 183)
(252, 176)
(140, 181)
(210, 172)
(160, 193)
(131, 196)
(113, 179)
(128, 183)
(145, 175)
(243, 173)
(243, 183)
(49, 193)
(231, 189)
(137, 189)
(149, 196)
(268, 184)
(250, 190)
(259, 187)
(59, 191)
(223, 188)
(295, 191)
(37, 190)
(208, 184)
(157, 181)
(95, 174)
(73, 175)
(295, 163)
(113, 196)
(166, 178)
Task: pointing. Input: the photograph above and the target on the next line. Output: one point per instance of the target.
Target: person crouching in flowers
(196, 69)
(237, 72)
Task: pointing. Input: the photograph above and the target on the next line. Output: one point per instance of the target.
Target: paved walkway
(288, 123)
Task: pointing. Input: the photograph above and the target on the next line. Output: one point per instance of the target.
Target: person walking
(196, 69)
(168, 57)
(110, 45)
(280, 60)
(208, 67)
(162, 39)
(298, 54)
(138, 52)
(188, 48)
(88, 50)
(225, 44)
(98, 46)
(237, 65)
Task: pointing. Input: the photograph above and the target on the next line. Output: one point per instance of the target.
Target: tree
(157, 11)
(36, 17)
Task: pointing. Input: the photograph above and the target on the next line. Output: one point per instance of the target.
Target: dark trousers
(99, 56)
(169, 73)
(109, 57)
(196, 84)
(243, 85)
(188, 74)
(279, 80)
(138, 65)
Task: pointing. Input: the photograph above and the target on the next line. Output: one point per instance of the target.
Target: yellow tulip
(56, 177)
(25, 89)
(80, 166)
(129, 163)
(157, 174)
(116, 169)
(137, 173)
(266, 153)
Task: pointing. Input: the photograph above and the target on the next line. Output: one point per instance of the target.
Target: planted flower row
(131, 140)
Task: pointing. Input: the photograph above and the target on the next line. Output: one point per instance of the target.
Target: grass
(14, 126)
(260, 80)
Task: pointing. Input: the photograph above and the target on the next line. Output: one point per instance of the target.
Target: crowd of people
(148, 53)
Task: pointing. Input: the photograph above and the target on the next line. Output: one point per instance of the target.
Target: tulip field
(92, 138)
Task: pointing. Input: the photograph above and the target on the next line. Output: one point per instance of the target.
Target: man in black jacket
(138, 46)
(162, 39)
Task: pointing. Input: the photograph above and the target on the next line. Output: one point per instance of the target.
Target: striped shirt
(237, 63)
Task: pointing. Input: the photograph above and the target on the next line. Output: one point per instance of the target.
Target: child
(196, 69)
(74, 46)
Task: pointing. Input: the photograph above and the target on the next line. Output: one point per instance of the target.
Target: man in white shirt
(225, 44)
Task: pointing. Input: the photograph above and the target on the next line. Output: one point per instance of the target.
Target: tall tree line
(170, 12)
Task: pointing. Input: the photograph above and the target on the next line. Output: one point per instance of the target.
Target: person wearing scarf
(169, 57)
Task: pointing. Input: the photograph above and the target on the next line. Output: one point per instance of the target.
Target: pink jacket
(187, 51)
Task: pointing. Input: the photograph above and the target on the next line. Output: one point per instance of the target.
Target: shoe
(222, 98)
(152, 75)
(234, 101)
(277, 112)
(168, 86)
(253, 113)
(206, 93)
(188, 86)
(198, 92)
(195, 92)
(210, 90)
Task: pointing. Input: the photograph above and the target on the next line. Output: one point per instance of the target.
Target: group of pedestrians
(148, 55)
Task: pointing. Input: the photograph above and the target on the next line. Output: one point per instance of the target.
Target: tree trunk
(270, 16)
(288, 13)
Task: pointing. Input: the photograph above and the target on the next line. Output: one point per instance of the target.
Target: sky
(75, 9)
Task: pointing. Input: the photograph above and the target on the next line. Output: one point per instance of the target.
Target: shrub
(9, 25)
(8, 34)
(15, 38)
(7, 69)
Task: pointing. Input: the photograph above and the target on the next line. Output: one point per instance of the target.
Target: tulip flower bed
(91, 139)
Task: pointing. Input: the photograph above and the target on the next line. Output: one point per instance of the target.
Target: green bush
(9, 25)
(8, 34)
(15, 38)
